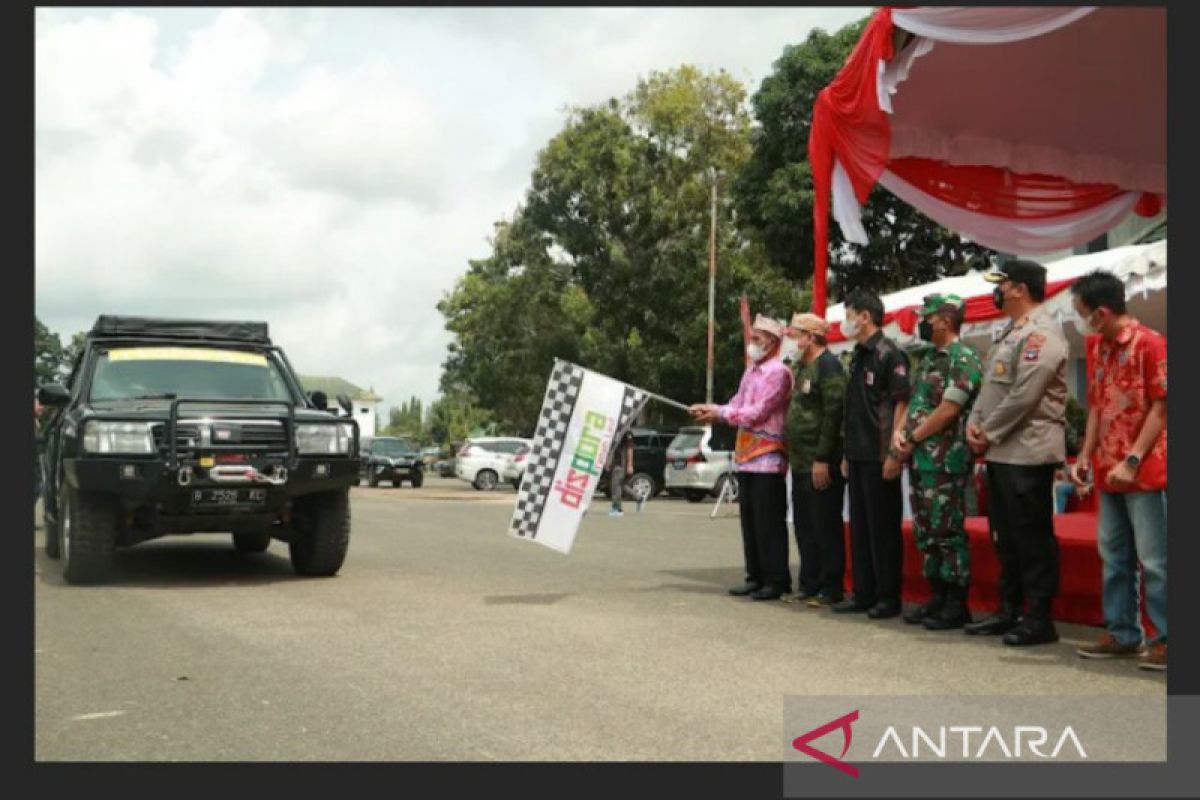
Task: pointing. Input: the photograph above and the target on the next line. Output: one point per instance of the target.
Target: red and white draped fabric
(1027, 130)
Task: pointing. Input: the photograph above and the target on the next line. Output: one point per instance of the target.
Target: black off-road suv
(391, 458)
(184, 426)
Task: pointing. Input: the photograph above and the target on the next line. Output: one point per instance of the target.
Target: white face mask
(754, 351)
(789, 350)
(1084, 326)
(850, 327)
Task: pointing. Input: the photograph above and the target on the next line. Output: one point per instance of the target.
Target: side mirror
(320, 400)
(344, 402)
(54, 394)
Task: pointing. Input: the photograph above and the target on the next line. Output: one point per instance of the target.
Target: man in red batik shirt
(1126, 443)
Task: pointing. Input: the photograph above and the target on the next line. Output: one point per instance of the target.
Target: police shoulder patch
(1033, 353)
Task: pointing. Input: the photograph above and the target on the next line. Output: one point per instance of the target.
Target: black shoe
(884, 609)
(1030, 631)
(767, 593)
(992, 625)
(851, 606)
(953, 614)
(745, 589)
(921, 612)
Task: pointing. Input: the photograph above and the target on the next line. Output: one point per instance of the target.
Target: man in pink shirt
(759, 410)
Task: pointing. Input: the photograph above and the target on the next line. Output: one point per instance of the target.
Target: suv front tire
(87, 528)
(320, 533)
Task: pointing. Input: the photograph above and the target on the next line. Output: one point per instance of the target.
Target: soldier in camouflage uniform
(945, 385)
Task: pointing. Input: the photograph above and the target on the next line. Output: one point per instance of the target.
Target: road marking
(98, 715)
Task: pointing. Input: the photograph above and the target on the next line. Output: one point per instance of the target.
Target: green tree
(606, 261)
(47, 354)
(72, 351)
(406, 420)
(775, 195)
(452, 418)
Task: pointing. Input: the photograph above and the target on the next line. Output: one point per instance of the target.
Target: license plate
(679, 463)
(221, 498)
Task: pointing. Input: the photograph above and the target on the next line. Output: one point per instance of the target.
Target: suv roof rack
(222, 331)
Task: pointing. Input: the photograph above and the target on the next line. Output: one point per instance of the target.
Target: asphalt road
(444, 639)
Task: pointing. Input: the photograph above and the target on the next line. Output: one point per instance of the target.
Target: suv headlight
(118, 437)
(324, 439)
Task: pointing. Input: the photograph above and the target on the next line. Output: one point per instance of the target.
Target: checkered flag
(558, 407)
(561, 414)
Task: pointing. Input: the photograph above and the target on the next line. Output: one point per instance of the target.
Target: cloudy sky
(329, 171)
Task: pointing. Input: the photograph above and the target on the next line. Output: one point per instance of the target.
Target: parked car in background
(445, 467)
(649, 463)
(483, 462)
(516, 467)
(700, 462)
(394, 459)
(430, 456)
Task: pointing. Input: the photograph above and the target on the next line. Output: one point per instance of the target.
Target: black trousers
(876, 546)
(820, 535)
(762, 498)
(1021, 516)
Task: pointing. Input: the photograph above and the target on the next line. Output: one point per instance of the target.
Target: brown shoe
(1154, 658)
(1108, 647)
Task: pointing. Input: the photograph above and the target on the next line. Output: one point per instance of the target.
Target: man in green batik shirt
(945, 385)
(814, 430)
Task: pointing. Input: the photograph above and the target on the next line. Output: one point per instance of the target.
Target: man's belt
(750, 446)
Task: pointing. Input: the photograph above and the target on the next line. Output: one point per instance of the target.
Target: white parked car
(700, 462)
(486, 461)
(516, 467)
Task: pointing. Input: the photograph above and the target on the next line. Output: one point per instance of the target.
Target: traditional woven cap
(768, 325)
(809, 323)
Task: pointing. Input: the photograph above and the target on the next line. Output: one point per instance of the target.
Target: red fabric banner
(998, 192)
(848, 124)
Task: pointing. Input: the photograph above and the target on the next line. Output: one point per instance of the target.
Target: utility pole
(712, 284)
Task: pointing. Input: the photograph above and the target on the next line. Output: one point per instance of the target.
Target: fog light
(129, 472)
(321, 470)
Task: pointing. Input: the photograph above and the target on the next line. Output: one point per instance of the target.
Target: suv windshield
(148, 372)
(392, 447)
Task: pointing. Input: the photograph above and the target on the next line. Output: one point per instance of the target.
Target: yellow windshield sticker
(187, 354)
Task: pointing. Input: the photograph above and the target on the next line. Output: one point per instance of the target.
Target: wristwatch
(1133, 461)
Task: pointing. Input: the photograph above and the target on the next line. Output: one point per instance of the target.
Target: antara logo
(992, 741)
(844, 722)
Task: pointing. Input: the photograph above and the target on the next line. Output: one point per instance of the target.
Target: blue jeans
(1133, 528)
(1062, 492)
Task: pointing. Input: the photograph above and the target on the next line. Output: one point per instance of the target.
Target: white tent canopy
(1143, 268)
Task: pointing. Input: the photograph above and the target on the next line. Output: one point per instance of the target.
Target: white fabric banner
(582, 415)
(986, 25)
(846, 210)
(1014, 235)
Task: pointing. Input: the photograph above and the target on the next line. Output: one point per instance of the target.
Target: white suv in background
(484, 462)
(699, 462)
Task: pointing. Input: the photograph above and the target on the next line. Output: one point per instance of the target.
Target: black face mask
(998, 298)
(925, 331)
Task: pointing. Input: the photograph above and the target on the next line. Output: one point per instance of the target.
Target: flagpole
(658, 397)
(712, 285)
(662, 399)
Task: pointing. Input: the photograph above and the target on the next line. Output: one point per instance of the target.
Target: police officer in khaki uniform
(1018, 425)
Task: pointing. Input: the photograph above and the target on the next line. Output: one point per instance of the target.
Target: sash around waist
(751, 445)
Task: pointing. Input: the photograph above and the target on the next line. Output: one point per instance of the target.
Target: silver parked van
(699, 461)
